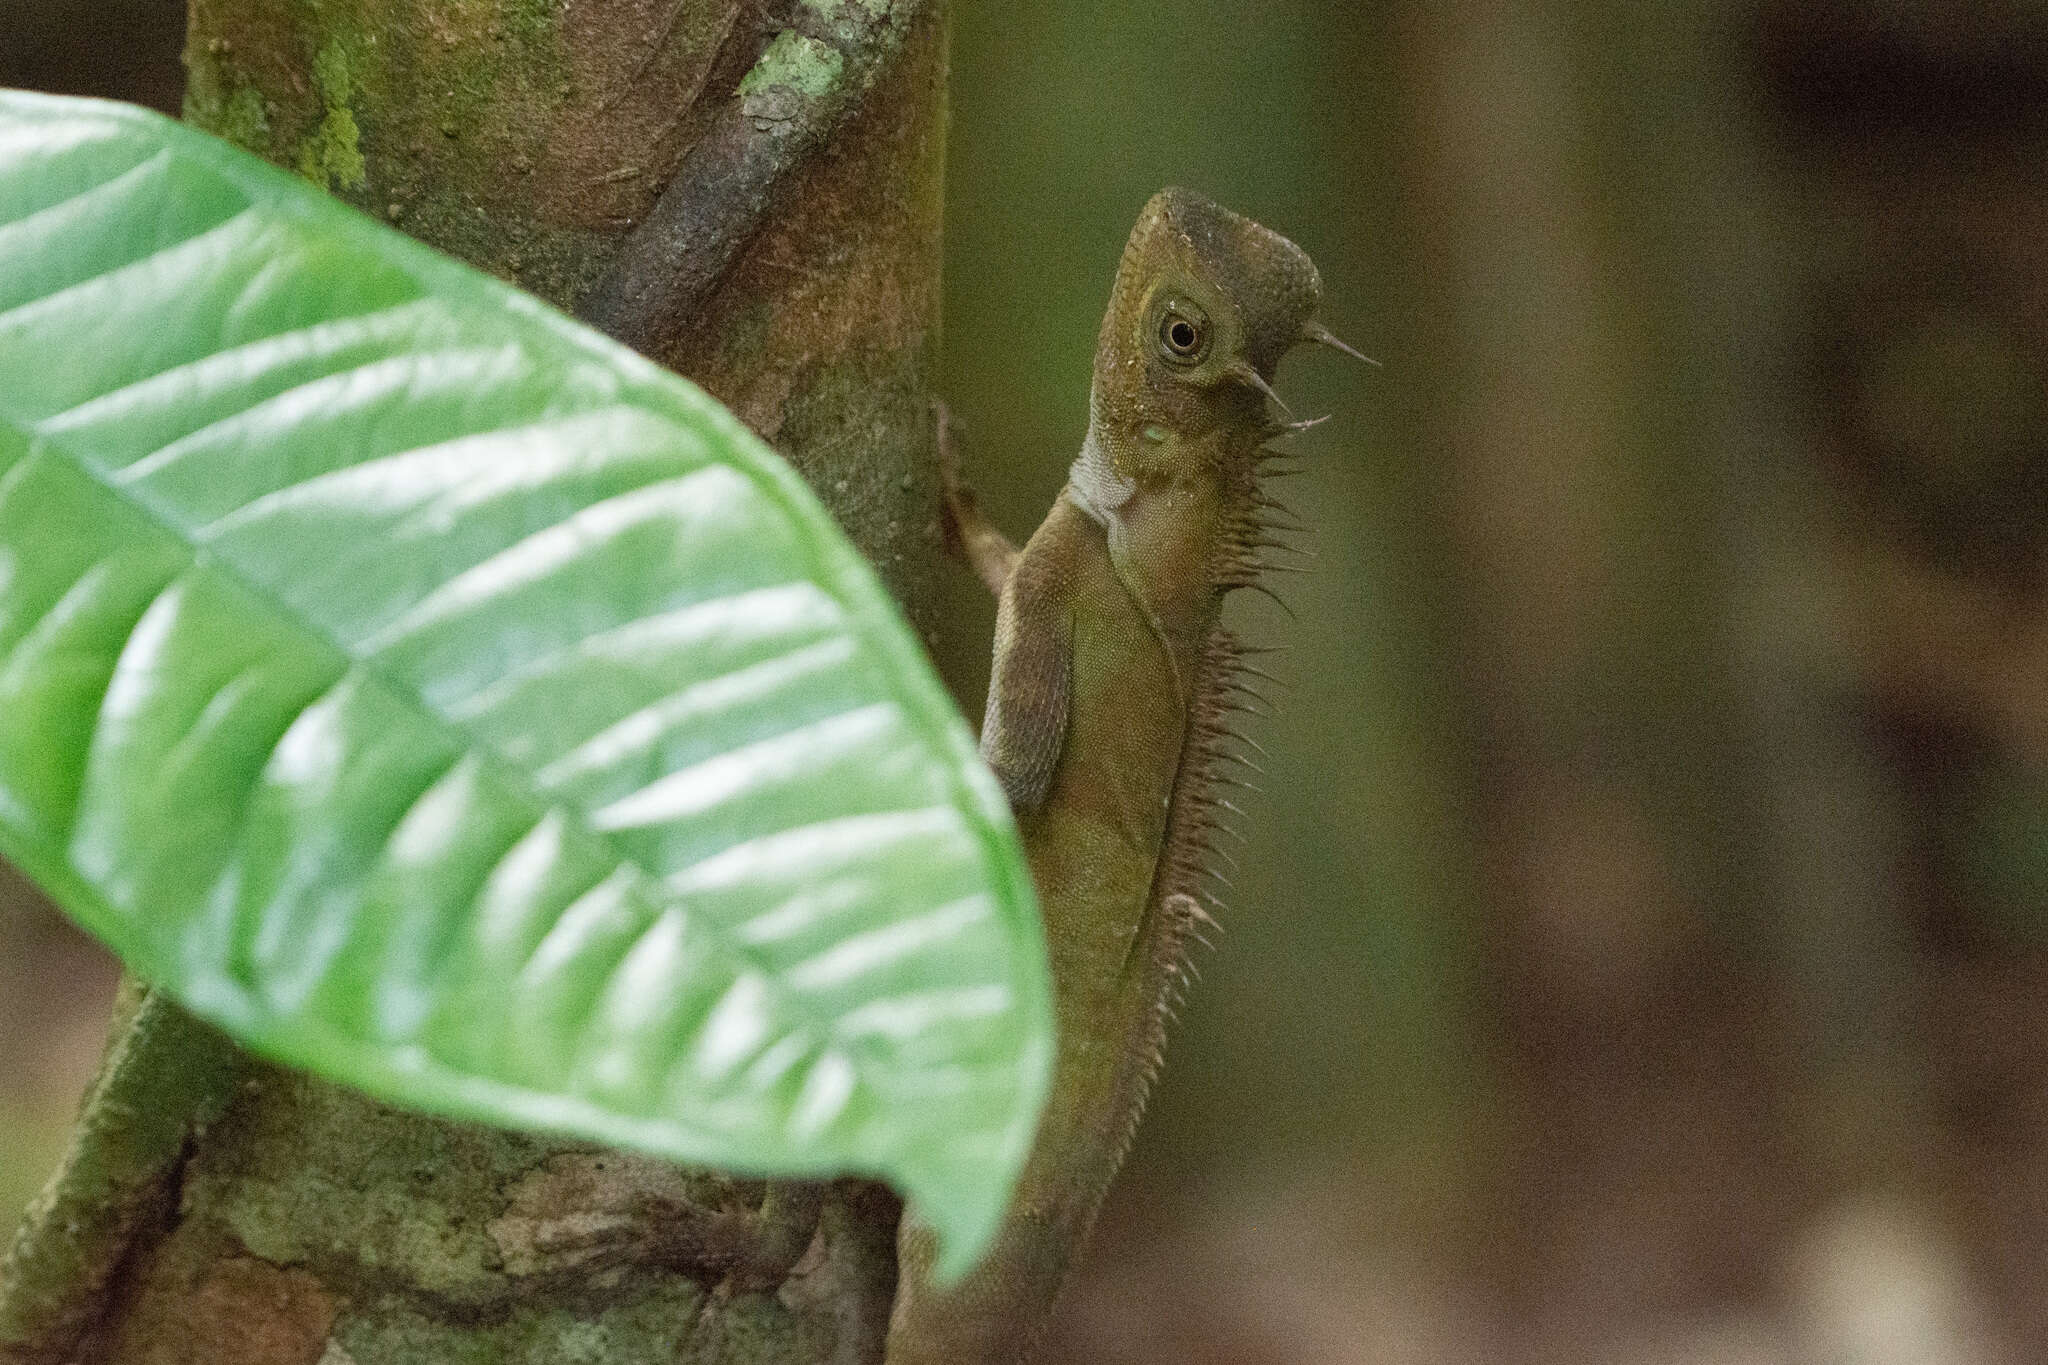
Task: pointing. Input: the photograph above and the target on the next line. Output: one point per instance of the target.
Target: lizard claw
(944, 425)
(956, 500)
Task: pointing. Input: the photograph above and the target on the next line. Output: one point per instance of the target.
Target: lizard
(1109, 719)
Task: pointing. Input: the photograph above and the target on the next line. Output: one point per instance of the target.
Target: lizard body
(1108, 719)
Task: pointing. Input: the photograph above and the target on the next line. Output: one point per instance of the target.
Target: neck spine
(1216, 758)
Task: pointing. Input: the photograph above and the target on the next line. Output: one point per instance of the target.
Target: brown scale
(1110, 720)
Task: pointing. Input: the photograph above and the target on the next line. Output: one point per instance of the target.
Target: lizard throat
(1093, 484)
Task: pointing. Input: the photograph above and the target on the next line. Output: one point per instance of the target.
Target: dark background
(1639, 952)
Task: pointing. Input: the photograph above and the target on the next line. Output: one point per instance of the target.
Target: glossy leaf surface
(444, 699)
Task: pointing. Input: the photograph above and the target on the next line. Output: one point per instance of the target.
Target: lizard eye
(1184, 333)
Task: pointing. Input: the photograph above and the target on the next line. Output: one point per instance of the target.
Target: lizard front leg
(970, 535)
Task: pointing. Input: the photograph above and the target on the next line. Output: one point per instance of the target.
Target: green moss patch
(798, 63)
(332, 154)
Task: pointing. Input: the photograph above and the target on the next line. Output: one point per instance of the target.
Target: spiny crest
(1188, 258)
(1202, 811)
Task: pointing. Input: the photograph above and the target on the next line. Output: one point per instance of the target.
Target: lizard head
(1206, 302)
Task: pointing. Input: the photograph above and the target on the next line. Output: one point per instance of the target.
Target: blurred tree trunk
(1607, 339)
(1745, 407)
(530, 137)
(1914, 136)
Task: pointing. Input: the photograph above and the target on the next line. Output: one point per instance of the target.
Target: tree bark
(532, 138)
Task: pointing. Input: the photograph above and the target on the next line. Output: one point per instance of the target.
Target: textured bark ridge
(308, 1225)
(316, 1227)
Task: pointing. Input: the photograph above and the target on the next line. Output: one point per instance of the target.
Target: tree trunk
(309, 1225)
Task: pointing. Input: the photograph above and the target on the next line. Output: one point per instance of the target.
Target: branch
(808, 79)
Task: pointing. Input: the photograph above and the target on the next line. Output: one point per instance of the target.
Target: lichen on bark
(331, 156)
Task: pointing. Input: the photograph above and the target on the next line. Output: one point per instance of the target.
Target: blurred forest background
(1641, 953)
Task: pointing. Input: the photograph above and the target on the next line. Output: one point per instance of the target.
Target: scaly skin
(1107, 717)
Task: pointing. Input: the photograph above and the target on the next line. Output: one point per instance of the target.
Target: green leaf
(444, 699)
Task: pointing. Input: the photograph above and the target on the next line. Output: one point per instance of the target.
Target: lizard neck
(1094, 483)
(1174, 515)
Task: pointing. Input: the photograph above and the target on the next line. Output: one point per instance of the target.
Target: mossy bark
(529, 137)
